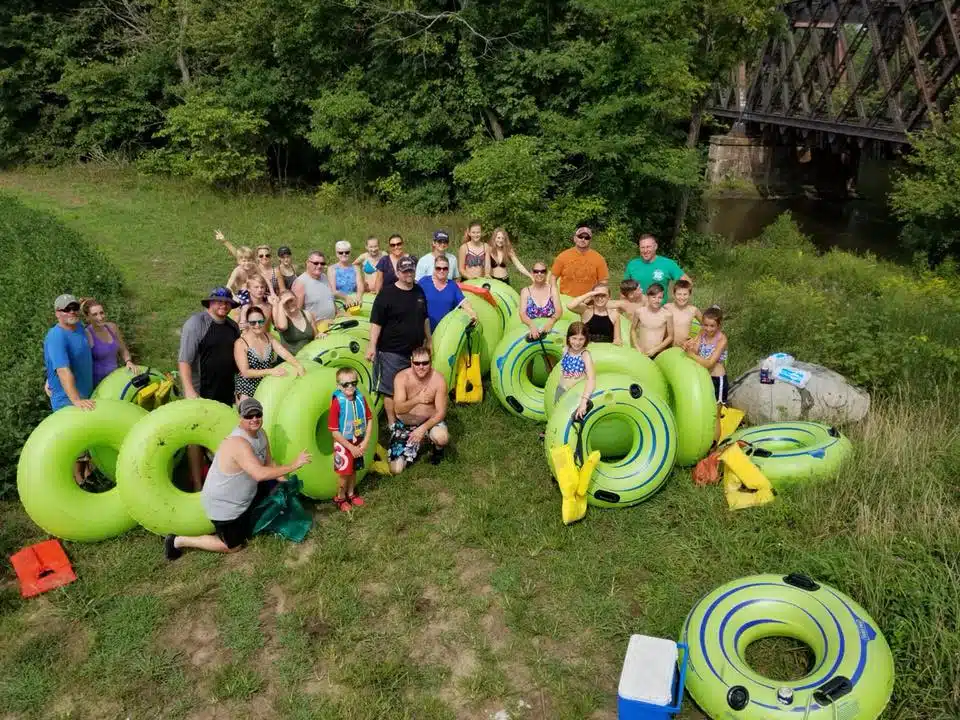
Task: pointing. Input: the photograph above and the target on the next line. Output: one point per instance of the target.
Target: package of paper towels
(648, 670)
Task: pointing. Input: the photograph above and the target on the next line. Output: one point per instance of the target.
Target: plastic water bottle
(766, 372)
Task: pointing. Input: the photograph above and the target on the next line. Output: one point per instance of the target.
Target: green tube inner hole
(783, 659)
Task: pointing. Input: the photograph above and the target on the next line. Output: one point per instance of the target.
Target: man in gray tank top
(312, 289)
(239, 468)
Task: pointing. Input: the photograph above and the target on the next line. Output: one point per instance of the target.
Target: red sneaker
(355, 500)
(342, 503)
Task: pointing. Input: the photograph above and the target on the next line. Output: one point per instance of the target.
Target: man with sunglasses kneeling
(239, 476)
(420, 402)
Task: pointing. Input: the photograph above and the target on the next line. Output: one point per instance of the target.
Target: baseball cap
(220, 294)
(584, 230)
(63, 300)
(440, 236)
(283, 250)
(250, 406)
(406, 264)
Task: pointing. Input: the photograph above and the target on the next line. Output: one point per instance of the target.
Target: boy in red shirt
(349, 418)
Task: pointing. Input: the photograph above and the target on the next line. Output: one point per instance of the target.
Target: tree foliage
(927, 195)
(387, 97)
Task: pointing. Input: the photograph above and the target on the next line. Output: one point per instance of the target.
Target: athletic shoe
(171, 551)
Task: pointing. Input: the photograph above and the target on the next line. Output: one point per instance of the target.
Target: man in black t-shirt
(398, 325)
(206, 363)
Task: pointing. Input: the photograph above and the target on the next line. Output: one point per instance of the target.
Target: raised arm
(218, 235)
(519, 265)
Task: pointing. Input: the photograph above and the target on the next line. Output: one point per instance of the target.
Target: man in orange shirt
(579, 269)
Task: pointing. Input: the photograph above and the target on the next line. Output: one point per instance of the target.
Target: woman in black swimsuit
(501, 250)
(602, 322)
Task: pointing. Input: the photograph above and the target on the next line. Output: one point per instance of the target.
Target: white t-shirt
(425, 266)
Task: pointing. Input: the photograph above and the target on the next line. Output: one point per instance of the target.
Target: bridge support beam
(738, 165)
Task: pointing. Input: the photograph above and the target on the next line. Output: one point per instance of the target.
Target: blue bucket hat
(220, 294)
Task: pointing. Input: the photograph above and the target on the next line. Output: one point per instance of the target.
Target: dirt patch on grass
(194, 634)
(474, 569)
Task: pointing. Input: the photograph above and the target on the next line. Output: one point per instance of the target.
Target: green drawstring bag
(281, 512)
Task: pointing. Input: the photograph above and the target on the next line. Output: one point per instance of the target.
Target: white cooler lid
(648, 670)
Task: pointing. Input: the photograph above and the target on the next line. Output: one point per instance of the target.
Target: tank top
(345, 278)
(288, 280)
(536, 311)
(475, 260)
(226, 496)
(572, 366)
(248, 386)
(104, 355)
(317, 297)
(705, 350)
(599, 328)
(295, 338)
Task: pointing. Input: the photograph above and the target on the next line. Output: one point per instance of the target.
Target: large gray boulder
(828, 397)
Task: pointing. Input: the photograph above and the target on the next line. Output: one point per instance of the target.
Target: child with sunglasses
(350, 417)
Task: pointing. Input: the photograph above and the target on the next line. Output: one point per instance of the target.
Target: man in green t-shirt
(651, 268)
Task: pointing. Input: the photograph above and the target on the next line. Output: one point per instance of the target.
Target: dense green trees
(406, 99)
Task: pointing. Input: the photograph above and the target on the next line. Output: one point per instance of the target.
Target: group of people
(227, 348)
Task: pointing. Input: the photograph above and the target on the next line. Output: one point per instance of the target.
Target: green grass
(457, 592)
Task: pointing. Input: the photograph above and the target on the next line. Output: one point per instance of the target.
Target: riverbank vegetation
(456, 592)
(584, 105)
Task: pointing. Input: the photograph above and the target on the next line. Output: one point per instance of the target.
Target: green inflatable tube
(619, 409)
(509, 370)
(119, 385)
(791, 452)
(48, 491)
(610, 358)
(568, 315)
(694, 404)
(365, 307)
(358, 327)
(853, 669)
(488, 318)
(273, 391)
(303, 425)
(144, 468)
(453, 336)
(339, 351)
(508, 299)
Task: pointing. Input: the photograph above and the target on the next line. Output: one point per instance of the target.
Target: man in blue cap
(206, 361)
(441, 241)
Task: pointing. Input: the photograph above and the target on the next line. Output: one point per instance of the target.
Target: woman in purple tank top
(106, 342)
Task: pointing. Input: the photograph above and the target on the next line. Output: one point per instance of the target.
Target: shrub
(69, 265)
(879, 324)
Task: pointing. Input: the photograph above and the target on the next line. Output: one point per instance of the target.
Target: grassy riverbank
(457, 592)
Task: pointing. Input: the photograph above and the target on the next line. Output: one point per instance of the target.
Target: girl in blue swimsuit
(367, 262)
(576, 365)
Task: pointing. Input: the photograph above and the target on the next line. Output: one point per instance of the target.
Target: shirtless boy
(652, 328)
(420, 402)
(631, 298)
(682, 311)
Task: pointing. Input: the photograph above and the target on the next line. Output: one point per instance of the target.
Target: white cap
(342, 246)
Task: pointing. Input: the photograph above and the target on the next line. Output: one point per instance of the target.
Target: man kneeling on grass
(240, 474)
(420, 402)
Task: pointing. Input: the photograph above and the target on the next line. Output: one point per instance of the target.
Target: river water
(854, 225)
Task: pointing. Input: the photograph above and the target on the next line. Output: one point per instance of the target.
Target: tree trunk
(693, 133)
(181, 56)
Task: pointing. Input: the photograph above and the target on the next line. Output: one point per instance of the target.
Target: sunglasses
(348, 384)
(442, 268)
(420, 363)
(264, 256)
(397, 244)
(71, 308)
(539, 271)
(255, 415)
(261, 321)
(321, 263)
(343, 252)
(583, 237)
